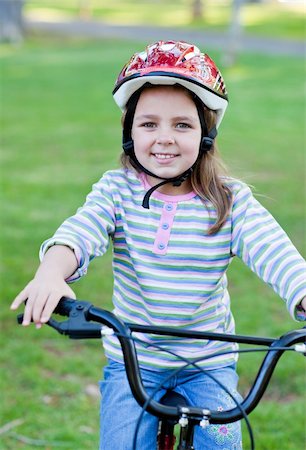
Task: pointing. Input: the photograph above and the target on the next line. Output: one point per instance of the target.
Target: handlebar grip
(65, 306)
(20, 319)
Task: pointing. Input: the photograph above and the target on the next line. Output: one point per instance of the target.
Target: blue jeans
(120, 411)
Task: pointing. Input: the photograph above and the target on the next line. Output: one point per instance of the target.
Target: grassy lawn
(61, 131)
(272, 19)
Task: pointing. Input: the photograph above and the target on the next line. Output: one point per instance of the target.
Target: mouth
(161, 156)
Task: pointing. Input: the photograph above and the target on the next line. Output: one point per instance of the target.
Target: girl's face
(166, 132)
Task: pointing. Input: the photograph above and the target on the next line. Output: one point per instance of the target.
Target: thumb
(70, 293)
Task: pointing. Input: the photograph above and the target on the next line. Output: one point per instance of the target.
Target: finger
(53, 302)
(40, 301)
(34, 307)
(71, 293)
(21, 298)
(27, 314)
(49, 307)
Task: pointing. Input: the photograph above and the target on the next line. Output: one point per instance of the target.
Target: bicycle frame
(78, 326)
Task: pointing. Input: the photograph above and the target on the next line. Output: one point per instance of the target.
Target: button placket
(164, 230)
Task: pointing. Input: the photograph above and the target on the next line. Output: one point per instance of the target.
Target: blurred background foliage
(61, 131)
(273, 18)
(265, 17)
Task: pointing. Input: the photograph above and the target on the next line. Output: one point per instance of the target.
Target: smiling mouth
(164, 155)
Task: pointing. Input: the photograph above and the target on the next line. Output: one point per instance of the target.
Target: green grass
(272, 19)
(61, 131)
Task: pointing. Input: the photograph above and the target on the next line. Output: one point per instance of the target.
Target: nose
(165, 139)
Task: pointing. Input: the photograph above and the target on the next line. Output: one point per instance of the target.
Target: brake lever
(76, 326)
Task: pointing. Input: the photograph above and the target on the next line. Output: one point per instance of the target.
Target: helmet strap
(177, 181)
(208, 137)
(207, 141)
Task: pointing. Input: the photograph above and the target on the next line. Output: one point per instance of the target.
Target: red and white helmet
(173, 62)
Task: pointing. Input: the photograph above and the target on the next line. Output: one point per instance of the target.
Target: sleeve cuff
(300, 313)
(82, 260)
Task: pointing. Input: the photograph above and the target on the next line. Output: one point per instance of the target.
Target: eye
(183, 125)
(148, 124)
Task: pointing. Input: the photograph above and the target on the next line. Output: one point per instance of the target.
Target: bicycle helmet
(171, 63)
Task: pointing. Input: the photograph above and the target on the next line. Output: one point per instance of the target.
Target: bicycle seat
(172, 398)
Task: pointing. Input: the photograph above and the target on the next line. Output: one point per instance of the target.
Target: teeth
(163, 156)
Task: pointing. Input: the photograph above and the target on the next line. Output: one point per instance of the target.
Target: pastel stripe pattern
(167, 269)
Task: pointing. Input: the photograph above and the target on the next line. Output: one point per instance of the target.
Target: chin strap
(146, 199)
(177, 181)
(128, 148)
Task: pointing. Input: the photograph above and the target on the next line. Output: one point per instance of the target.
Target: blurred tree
(11, 21)
(197, 9)
(85, 9)
(235, 33)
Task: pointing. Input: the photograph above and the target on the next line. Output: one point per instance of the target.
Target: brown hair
(208, 173)
(207, 178)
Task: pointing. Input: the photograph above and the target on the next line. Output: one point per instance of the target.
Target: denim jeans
(120, 411)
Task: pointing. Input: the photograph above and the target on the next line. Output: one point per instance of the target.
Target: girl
(175, 220)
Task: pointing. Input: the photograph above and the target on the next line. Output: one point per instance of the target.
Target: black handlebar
(78, 326)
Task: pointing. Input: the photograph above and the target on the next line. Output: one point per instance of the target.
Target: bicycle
(173, 408)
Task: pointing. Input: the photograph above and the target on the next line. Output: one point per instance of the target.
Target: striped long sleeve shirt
(169, 271)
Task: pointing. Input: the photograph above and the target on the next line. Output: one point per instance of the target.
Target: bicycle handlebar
(77, 326)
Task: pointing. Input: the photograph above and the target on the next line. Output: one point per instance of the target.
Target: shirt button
(169, 207)
(165, 226)
(161, 246)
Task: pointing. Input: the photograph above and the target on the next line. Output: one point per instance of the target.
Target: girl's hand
(42, 296)
(48, 286)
